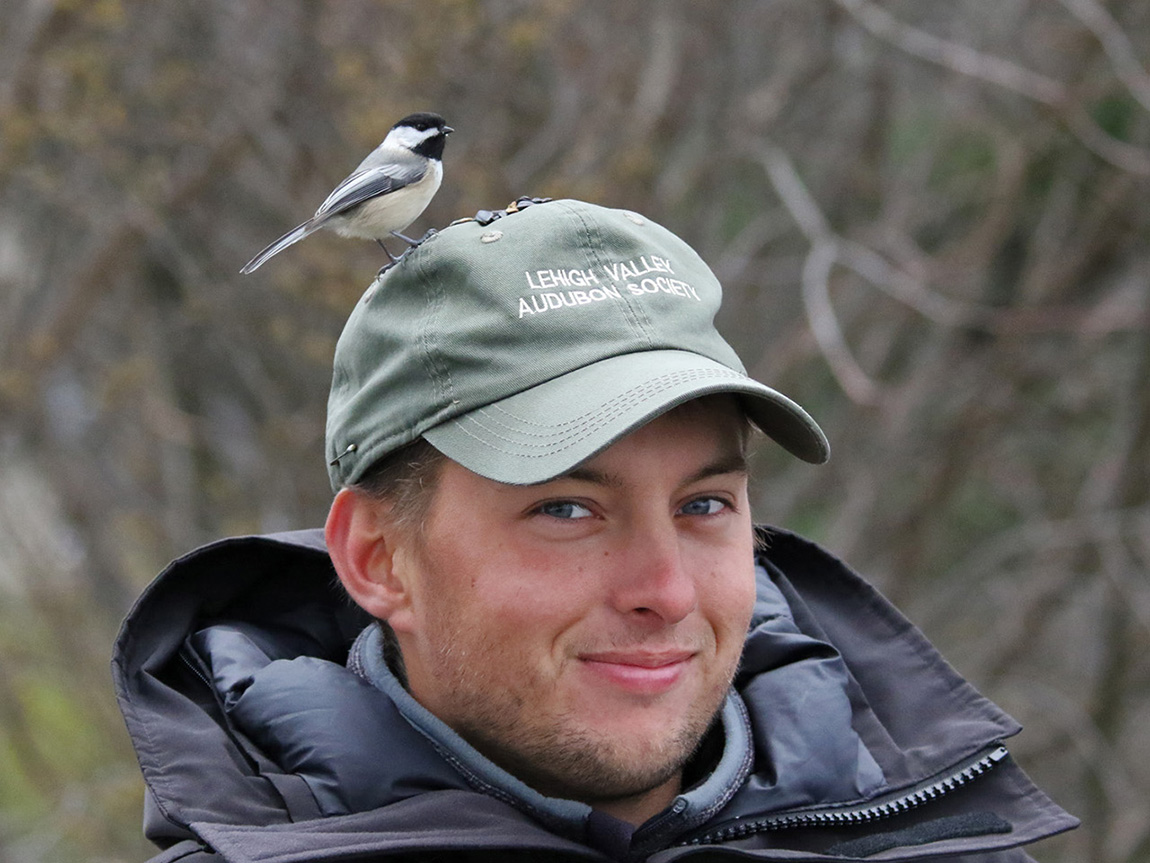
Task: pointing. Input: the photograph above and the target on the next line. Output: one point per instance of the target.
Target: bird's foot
(387, 251)
(411, 244)
(414, 243)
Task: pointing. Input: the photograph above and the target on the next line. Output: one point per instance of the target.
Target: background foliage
(931, 219)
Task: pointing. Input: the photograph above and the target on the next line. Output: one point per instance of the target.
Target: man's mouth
(641, 672)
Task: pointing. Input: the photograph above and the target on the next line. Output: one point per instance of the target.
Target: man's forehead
(724, 451)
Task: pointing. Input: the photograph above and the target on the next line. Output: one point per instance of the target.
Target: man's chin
(598, 781)
(598, 769)
(591, 756)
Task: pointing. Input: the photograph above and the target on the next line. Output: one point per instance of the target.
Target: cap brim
(545, 431)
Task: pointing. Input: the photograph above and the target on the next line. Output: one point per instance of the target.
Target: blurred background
(931, 220)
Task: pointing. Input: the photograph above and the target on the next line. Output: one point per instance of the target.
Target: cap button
(350, 449)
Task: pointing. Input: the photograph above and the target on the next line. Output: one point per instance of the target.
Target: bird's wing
(369, 183)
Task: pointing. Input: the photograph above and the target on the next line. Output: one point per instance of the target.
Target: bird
(385, 194)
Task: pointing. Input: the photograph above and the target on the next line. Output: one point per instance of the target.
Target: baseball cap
(523, 345)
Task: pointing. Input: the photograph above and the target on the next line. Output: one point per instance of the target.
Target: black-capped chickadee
(386, 193)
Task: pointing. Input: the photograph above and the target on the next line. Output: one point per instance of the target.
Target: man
(567, 641)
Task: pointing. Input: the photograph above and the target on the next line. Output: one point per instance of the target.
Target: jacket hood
(849, 707)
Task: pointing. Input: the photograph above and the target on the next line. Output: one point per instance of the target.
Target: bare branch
(994, 555)
(995, 70)
(794, 194)
(825, 324)
(959, 58)
(1123, 58)
(117, 243)
(661, 71)
(816, 276)
(909, 290)
(1118, 153)
(1124, 789)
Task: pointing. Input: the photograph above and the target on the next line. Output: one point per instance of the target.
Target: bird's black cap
(424, 120)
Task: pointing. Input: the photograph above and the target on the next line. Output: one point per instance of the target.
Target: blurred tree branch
(1011, 76)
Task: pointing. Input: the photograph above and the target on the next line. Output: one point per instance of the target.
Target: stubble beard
(564, 760)
(557, 754)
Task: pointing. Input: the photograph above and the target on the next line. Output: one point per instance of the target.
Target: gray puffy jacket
(268, 729)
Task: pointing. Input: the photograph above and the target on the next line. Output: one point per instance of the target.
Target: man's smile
(641, 672)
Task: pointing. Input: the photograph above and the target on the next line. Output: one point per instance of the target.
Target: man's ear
(362, 540)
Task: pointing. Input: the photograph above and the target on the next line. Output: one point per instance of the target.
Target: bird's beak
(447, 130)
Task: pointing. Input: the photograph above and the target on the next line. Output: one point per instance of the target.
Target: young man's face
(582, 633)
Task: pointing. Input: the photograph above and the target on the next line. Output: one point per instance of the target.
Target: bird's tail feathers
(293, 236)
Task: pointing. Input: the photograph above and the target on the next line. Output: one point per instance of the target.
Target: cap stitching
(606, 412)
(438, 371)
(641, 312)
(596, 243)
(626, 395)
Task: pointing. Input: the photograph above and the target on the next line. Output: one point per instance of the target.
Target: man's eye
(704, 506)
(564, 509)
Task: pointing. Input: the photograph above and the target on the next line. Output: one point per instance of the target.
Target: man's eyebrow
(735, 462)
(593, 476)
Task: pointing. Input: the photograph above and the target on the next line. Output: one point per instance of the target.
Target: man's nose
(653, 579)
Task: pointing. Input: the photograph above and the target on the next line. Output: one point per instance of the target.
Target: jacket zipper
(846, 816)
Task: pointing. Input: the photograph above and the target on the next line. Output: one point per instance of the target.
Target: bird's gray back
(386, 169)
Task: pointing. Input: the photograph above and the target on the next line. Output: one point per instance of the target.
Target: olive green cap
(521, 346)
